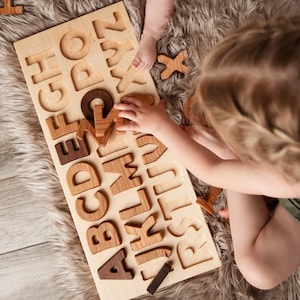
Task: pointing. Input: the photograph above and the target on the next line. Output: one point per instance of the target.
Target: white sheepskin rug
(196, 26)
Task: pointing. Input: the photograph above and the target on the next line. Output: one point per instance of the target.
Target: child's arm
(208, 138)
(227, 174)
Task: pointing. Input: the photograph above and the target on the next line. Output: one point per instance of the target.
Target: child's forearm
(196, 158)
(227, 174)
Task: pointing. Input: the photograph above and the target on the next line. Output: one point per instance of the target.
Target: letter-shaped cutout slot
(169, 205)
(185, 224)
(172, 178)
(48, 66)
(120, 50)
(143, 231)
(143, 206)
(83, 75)
(146, 256)
(127, 77)
(75, 44)
(193, 252)
(100, 25)
(55, 97)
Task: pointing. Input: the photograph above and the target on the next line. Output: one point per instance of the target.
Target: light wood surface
(27, 265)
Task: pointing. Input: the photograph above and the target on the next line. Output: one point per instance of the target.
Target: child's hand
(142, 117)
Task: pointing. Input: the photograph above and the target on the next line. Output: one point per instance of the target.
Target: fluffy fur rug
(196, 26)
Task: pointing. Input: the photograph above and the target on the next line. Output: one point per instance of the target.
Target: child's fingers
(128, 126)
(127, 114)
(123, 106)
(132, 100)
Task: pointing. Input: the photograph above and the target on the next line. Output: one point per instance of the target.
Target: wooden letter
(72, 150)
(86, 127)
(58, 126)
(102, 237)
(154, 155)
(103, 125)
(162, 274)
(172, 65)
(8, 9)
(105, 97)
(207, 203)
(79, 185)
(95, 215)
(125, 180)
(145, 238)
(115, 267)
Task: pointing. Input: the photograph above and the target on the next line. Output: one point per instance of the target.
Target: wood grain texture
(9, 9)
(173, 64)
(65, 67)
(28, 264)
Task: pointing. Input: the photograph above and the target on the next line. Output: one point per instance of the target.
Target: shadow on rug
(196, 26)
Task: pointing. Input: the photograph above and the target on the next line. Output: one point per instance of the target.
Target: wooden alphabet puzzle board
(132, 203)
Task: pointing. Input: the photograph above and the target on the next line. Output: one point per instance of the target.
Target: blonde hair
(249, 90)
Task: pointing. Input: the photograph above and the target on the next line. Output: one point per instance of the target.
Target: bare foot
(224, 213)
(146, 54)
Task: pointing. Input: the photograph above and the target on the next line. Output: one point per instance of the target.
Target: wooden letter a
(114, 268)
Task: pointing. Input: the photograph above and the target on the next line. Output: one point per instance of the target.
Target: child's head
(249, 90)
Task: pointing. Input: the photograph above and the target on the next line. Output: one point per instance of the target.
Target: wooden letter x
(173, 65)
(8, 9)
(209, 200)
